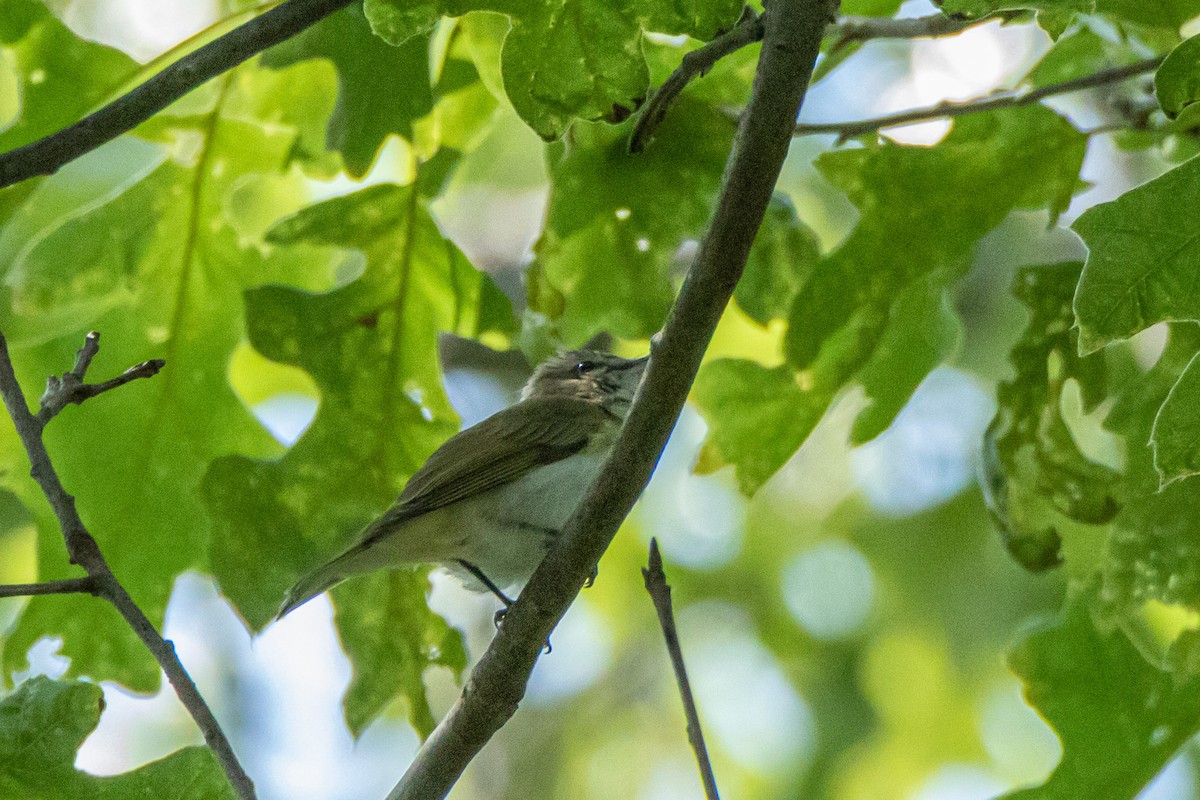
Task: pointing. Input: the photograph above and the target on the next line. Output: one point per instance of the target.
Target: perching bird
(490, 500)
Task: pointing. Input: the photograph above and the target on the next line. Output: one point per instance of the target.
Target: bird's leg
(491, 587)
(591, 578)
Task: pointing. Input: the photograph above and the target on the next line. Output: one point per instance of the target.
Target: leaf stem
(791, 42)
(992, 102)
(85, 552)
(45, 156)
(660, 594)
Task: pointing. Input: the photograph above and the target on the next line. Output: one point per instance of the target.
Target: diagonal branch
(84, 551)
(660, 594)
(47, 155)
(490, 697)
(847, 130)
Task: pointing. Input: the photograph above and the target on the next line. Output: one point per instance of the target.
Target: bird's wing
(497, 451)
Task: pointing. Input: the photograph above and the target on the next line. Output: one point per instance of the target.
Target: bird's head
(590, 375)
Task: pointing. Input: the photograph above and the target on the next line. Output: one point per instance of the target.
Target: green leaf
(371, 347)
(371, 613)
(757, 416)
(566, 59)
(785, 252)
(159, 266)
(1142, 259)
(1177, 429)
(922, 332)
(42, 725)
(604, 261)
(382, 89)
(987, 166)
(1119, 717)
(1177, 82)
(1035, 474)
(62, 77)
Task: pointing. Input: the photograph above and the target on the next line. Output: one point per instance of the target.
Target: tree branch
(695, 64)
(660, 594)
(47, 155)
(83, 551)
(846, 130)
(790, 46)
(70, 388)
(862, 29)
(69, 586)
(749, 29)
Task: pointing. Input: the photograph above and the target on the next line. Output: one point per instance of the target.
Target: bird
(489, 502)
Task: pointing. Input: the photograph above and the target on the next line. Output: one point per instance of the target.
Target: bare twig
(83, 550)
(999, 100)
(660, 594)
(862, 29)
(695, 64)
(47, 155)
(749, 29)
(70, 388)
(86, 585)
(497, 684)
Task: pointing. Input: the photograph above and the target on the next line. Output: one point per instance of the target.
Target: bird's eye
(583, 368)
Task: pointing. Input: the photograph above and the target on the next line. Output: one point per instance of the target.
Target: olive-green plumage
(493, 496)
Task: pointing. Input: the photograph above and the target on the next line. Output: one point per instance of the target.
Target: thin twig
(86, 585)
(70, 388)
(47, 155)
(694, 64)
(83, 551)
(862, 29)
(846, 130)
(660, 594)
(497, 684)
(749, 29)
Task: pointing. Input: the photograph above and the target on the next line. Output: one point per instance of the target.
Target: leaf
(986, 167)
(605, 256)
(1035, 474)
(1177, 82)
(566, 59)
(371, 348)
(42, 725)
(1177, 429)
(61, 77)
(1120, 718)
(158, 266)
(381, 89)
(1142, 260)
(922, 332)
(388, 663)
(757, 416)
(785, 252)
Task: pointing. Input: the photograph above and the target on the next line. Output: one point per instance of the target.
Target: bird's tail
(319, 580)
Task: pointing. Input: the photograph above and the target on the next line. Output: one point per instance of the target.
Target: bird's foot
(590, 581)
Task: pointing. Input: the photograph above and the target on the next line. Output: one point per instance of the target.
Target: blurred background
(845, 629)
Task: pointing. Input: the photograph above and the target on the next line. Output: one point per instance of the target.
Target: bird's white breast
(514, 522)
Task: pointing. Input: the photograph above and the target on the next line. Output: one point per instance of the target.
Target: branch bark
(47, 155)
(660, 594)
(85, 552)
(68, 586)
(846, 130)
(790, 47)
(749, 29)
